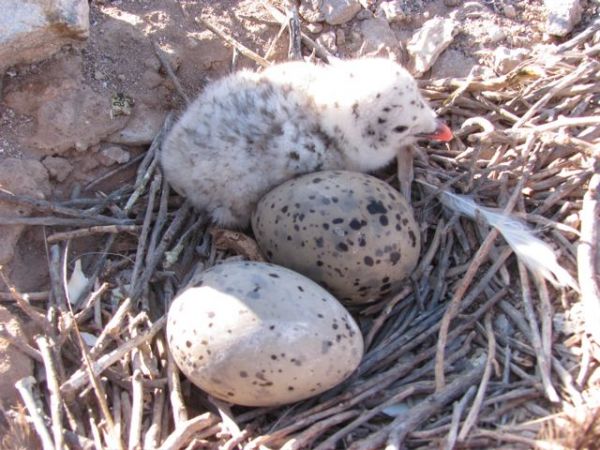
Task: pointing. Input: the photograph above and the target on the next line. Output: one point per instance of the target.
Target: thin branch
(170, 72)
(25, 387)
(231, 41)
(472, 417)
(587, 251)
(102, 229)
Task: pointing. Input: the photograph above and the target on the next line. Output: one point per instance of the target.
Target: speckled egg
(352, 233)
(257, 334)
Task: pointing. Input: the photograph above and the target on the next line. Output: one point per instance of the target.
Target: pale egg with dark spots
(352, 233)
(256, 334)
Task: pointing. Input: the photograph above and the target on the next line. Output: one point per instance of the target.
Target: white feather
(77, 283)
(532, 251)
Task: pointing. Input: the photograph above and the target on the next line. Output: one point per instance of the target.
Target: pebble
(328, 40)
(337, 12)
(151, 78)
(113, 155)
(152, 63)
(309, 11)
(429, 42)
(452, 63)
(393, 11)
(340, 37)
(495, 34)
(506, 59)
(58, 168)
(563, 15)
(314, 27)
(378, 39)
(509, 11)
(364, 14)
(142, 127)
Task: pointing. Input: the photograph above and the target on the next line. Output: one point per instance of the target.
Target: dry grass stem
(235, 44)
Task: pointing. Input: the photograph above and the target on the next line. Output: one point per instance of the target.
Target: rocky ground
(95, 105)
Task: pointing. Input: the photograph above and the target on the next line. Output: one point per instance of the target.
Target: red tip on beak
(441, 134)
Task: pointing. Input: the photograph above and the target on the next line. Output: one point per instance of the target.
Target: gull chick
(249, 132)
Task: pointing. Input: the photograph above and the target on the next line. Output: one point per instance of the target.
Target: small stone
(509, 11)
(340, 37)
(58, 168)
(113, 155)
(452, 64)
(337, 12)
(495, 34)
(84, 167)
(364, 14)
(328, 40)
(152, 63)
(98, 75)
(151, 78)
(14, 365)
(121, 77)
(141, 129)
(34, 30)
(400, 10)
(309, 11)
(506, 59)
(379, 39)
(393, 11)
(429, 42)
(572, 220)
(563, 15)
(368, 4)
(314, 27)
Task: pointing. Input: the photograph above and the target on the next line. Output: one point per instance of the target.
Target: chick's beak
(441, 134)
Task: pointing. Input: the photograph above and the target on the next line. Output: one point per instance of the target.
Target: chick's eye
(400, 129)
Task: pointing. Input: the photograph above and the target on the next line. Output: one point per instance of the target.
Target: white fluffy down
(249, 132)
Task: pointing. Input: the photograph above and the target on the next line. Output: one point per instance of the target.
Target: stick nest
(475, 351)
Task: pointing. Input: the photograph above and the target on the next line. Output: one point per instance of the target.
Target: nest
(478, 350)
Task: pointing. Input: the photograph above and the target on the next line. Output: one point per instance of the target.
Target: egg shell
(352, 233)
(257, 334)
